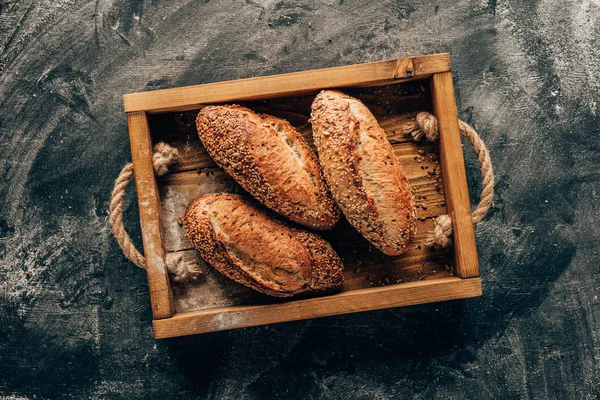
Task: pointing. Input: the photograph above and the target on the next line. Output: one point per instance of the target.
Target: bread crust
(362, 171)
(271, 161)
(240, 240)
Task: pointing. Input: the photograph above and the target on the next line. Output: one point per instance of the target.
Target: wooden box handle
(425, 125)
(162, 158)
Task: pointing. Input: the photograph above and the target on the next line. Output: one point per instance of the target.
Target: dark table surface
(75, 316)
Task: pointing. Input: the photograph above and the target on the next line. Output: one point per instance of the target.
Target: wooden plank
(225, 318)
(454, 175)
(296, 83)
(149, 205)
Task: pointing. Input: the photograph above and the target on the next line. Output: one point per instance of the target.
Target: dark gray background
(78, 325)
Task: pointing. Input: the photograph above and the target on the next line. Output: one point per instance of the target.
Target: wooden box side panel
(193, 97)
(454, 176)
(219, 319)
(161, 296)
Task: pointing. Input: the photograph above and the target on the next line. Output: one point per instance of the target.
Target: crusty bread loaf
(363, 174)
(245, 244)
(271, 160)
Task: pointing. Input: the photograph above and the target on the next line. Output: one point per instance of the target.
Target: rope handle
(163, 157)
(424, 124)
(116, 217)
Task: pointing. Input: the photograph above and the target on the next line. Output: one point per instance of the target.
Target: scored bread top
(271, 161)
(363, 172)
(245, 244)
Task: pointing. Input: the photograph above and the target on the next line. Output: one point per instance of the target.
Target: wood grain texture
(218, 319)
(454, 175)
(149, 205)
(296, 83)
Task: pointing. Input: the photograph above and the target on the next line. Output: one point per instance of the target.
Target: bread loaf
(271, 161)
(362, 171)
(244, 243)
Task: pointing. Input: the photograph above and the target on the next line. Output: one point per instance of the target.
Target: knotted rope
(182, 270)
(163, 157)
(425, 124)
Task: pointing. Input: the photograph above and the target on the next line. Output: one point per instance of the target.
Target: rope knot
(440, 237)
(164, 156)
(426, 125)
(182, 270)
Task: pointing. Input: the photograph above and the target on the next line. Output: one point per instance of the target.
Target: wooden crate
(372, 280)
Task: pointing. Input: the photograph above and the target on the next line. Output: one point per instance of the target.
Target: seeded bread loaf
(362, 171)
(271, 161)
(244, 243)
